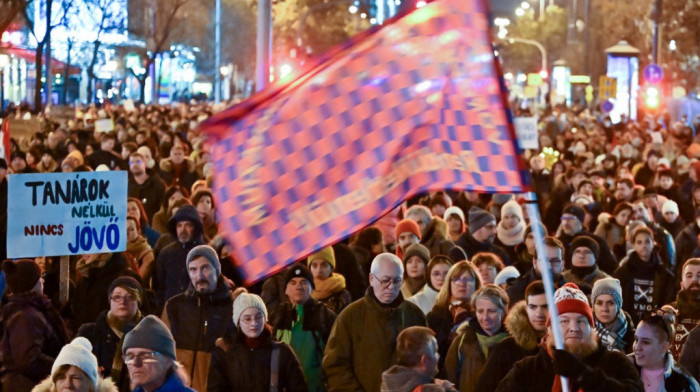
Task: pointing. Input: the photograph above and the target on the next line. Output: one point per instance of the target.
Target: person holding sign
(588, 365)
(34, 331)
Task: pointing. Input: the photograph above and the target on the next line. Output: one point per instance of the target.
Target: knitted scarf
(613, 337)
(119, 327)
(414, 284)
(511, 237)
(327, 287)
(137, 247)
(486, 342)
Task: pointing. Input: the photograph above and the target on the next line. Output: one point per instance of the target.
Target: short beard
(581, 350)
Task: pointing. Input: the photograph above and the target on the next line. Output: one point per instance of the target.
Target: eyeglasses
(122, 298)
(147, 357)
(568, 217)
(252, 319)
(465, 280)
(388, 281)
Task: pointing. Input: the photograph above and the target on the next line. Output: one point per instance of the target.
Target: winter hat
(501, 198)
(208, 253)
(151, 333)
(454, 210)
(574, 210)
(478, 218)
(669, 206)
(512, 207)
(326, 254)
(245, 301)
(298, 271)
(609, 286)
(663, 163)
(417, 250)
(77, 353)
(21, 275)
(408, 225)
(102, 168)
(586, 241)
(570, 299)
(127, 282)
(506, 274)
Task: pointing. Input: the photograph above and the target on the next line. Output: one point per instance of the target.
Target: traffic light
(652, 97)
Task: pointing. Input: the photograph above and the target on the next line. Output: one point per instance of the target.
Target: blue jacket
(172, 384)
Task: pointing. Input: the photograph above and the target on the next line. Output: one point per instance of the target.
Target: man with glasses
(554, 251)
(572, 227)
(361, 345)
(479, 238)
(148, 188)
(149, 354)
(200, 315)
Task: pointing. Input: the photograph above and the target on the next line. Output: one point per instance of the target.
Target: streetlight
(525, 5)
(519, 12)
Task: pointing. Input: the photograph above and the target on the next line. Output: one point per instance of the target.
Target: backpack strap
(274, 367)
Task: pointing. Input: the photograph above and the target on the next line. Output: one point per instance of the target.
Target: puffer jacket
(196, 321)
(103, 385)
(171, 277)
(522, 342)
(236, 367)
(34, 335)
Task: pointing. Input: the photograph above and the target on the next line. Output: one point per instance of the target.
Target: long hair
(443, 297)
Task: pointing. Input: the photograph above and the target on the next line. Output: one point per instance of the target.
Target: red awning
(30, 56)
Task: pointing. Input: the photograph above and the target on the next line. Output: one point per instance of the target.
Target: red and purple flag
(417, 105)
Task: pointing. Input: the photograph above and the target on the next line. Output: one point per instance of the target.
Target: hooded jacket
(33, 336)
(186, 176)
(403, 379)
(362, 344)
(522, 342)
(196, 321)
(171, 277)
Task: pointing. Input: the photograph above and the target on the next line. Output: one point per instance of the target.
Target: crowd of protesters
(443, 293)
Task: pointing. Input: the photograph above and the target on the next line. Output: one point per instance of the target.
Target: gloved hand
(566, 364)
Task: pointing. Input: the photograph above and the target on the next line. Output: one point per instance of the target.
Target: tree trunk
(66, 74)
(91, 70)
(39, 62)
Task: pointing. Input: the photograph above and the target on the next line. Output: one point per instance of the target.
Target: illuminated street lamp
(519, 12)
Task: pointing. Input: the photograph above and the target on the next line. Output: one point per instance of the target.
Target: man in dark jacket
(433, 230)
(200, 315)
(687, 240)
(33, 330)
(687, 306)
(171, 277)
(584, 269)
(587, 365)
(479, 238)
(178, 169)
(416, 364)
(304, 324)
(526, 324)
(146, 187)
(572, 227)
(106, 155)
(554, 251)
(361, 345)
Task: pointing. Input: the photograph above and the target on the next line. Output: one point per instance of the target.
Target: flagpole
(534, 214)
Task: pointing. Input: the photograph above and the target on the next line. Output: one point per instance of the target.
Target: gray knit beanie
(478, 218)
(151, 333)
(208, 253)
(609, 286)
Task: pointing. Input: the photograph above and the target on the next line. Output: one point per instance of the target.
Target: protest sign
(526, 129)
(60, 214)
(104, 125)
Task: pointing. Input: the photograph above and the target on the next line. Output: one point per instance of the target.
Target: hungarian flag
(414, 106)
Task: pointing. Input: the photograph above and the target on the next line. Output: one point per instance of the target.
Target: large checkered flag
(414, 106)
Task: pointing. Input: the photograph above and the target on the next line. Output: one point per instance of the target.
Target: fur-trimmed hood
(519, 327)
(103, 385)
(166, 165)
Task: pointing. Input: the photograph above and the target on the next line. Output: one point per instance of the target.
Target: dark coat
(676, 379)
(523, 342)
(196, 321)
(435, 238)
(235, 367)
(686, 241)
(317, 318)
(441, 322)
(92, 290)
(185, 178)
(516, 291)
(690, 354)
(171, 277)
(104, 345)
(34, 334)
(362, 344)
(610, 371)
(635, 269)
(109, 159)
(470, 246)
(150, 193)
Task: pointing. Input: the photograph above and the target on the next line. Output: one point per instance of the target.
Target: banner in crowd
(62, 214)
(526, 129)
(417, 105)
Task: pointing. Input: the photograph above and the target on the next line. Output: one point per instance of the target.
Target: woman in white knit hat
(247, 359)
(510, 231)
(75, 370)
